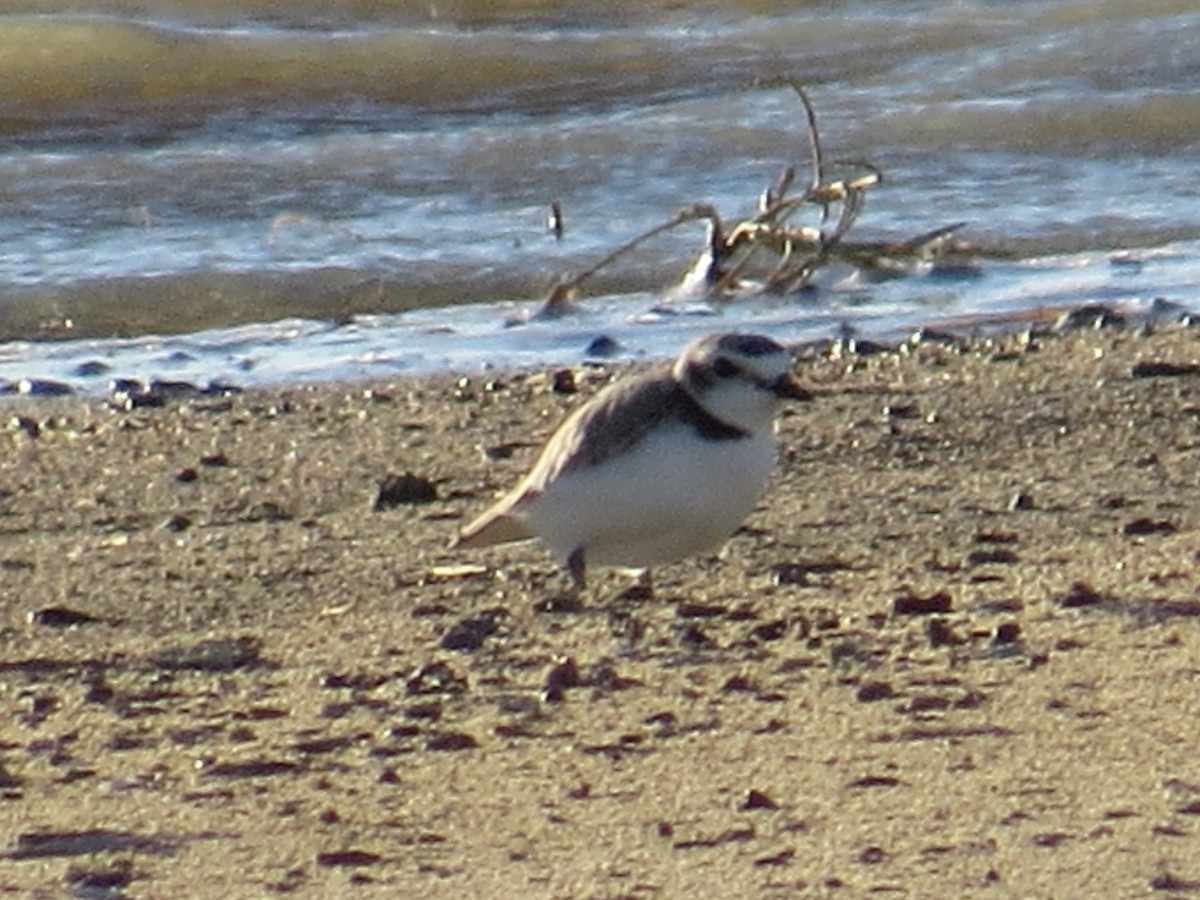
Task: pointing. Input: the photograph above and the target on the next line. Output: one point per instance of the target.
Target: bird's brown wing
(610, 423)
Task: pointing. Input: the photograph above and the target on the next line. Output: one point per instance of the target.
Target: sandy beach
(953, 653)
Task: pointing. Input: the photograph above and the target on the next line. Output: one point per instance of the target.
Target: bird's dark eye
(723, 368)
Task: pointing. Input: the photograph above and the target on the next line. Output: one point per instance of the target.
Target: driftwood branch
(796, 252)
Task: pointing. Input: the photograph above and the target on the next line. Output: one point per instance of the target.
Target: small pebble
(91, 369)
(563, 676)
(913, 605)
(1007, 633)
(60, 617)
(44, 387)
(1021, 501)
(406, 489)
(758, 800)
(602, 347)
(564, 382)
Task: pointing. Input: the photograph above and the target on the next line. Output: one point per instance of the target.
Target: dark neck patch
(705, 423)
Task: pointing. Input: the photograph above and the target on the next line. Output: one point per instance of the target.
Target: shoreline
(952, 651)
(191, 366)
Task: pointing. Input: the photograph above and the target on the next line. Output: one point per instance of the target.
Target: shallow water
(264, 192)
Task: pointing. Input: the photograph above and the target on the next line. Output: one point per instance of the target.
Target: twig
(561, 295)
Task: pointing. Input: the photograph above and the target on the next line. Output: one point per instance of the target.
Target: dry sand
(954, 652)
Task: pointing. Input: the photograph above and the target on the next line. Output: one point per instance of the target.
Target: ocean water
(261, 192)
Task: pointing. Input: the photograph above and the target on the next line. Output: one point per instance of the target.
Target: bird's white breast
(672, 495)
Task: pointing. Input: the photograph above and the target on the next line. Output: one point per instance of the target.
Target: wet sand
(954, 652)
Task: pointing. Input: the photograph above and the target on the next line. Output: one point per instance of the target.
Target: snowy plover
(656, 467)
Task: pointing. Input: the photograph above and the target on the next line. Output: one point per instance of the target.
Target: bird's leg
(577, 569)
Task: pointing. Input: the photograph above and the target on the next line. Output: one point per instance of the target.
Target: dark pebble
(60, 617)
(469, 634)
(665, 720)
(933, 336)
(126, 741)
(770, 631)
(216, 460)
(563, 676)
(739, 684)
(359, 681)
(319, 746)
(1148, 526)
(1080, 594)
(992, 557)
(25, 424)
(40, 707)
(691, 610)
(406, 489)
(131, 400)
(1092, 315)
(221, 389)
(782, 858)
(44, 387)
(790, 573)
(1007, 633)
(125, 386)
(1020, 502)
(255, 768)
(91, 369)
(637, 593)
(859, 347)
(98, 689)
(692, 635)
(504, 451)
(913, 605)
(177, 523)
(1168, 882)
(758, 800)
(348, 858)
(874, 781)
(995, 537)
(215, 655)
(564, 382)
(558, 604)
(454, 740)
(429, 712)
(43, 844)
(942, 635)
(872, 856)
(1163, 370)
(902, 411)
(173, 390)
(186, 476)
(870, 691)
(924, 704)
(602, 347)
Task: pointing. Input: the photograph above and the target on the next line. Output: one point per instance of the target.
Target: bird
(656, 467)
